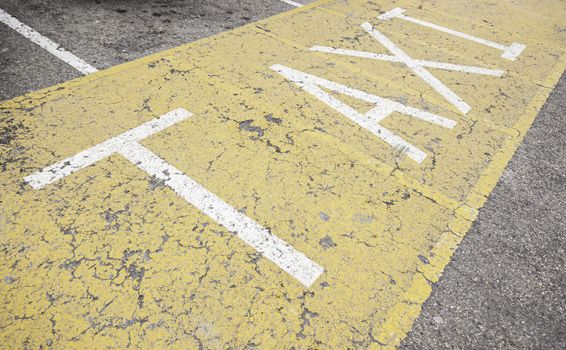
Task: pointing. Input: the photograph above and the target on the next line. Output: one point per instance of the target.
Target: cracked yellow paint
(107, 257)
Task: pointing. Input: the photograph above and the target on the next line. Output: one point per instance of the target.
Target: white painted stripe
(423, 63)
(102, 150)
(292, 3)
(396, 12)
(46, 43)
(425, 75)
(126, 144)
(512, 52)
(261, 239)
(379, 113)
(371, 119)
(509, 52)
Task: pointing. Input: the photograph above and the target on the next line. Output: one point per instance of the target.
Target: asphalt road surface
(505, 287)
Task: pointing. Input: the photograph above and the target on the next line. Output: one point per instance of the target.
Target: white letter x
(417, 66)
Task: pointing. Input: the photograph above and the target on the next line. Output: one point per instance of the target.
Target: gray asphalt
(506, 285)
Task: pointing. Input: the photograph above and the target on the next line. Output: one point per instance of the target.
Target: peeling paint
(112, 257)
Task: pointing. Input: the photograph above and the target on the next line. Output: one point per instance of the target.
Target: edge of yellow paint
(156, 55)
(400, 318)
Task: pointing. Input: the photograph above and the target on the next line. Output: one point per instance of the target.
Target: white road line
(370, 120)
(509, 52)
(92, 155)
(423, 63)
(126, 144)
(425, 75)
(282, 254)
(46, 43)
(292, 3)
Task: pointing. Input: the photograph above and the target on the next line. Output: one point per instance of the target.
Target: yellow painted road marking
(111, 256)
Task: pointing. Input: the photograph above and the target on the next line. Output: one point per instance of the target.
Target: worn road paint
(249, 231)
(425, 75)
(111, 257)
(370, 120)
(510, 52)
(103, 150)
(421, 63)
(126, 144)
(293, 3)
(46, 43)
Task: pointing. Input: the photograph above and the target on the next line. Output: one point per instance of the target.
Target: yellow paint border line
(401, 316)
